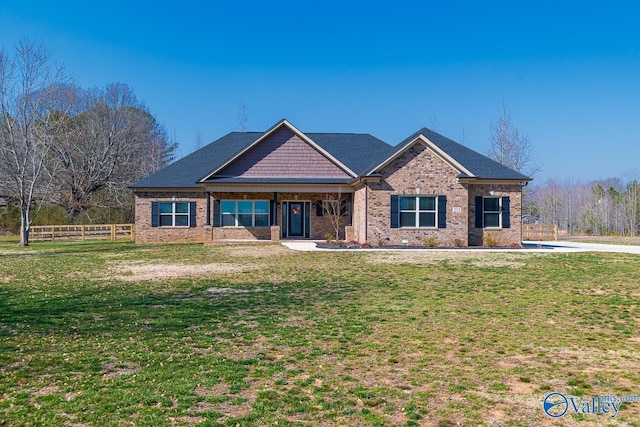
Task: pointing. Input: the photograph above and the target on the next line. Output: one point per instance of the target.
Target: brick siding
(417, 168)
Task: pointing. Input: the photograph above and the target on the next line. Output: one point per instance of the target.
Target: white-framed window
(174, 214)
(245, 213)
(492, 212)
(418, 211)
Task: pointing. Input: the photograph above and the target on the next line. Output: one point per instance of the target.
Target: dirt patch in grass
(188, 420)
(135, 272)
(113, 370)
(474, 258)
(256, 251)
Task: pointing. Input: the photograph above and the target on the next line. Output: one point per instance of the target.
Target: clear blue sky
(570, 73)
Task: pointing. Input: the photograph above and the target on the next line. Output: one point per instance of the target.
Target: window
(174, 214)
(493, 212)
(418, 211)
(491, 209)
(245, 213)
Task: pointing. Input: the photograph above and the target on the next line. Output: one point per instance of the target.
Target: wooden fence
(83, 233)
(539, 232)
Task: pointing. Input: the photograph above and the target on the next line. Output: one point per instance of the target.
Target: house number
(457, 209)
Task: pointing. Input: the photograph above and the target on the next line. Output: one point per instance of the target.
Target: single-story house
(283, 184)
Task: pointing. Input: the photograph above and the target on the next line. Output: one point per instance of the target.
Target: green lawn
(124, 334)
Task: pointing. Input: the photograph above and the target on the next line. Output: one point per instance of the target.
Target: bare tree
(243, 117)
(111, 142)
(198, 144)
(334, 207)
(31, 104)
(509, 146)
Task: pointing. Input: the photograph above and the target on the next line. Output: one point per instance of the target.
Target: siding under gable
(283, 154)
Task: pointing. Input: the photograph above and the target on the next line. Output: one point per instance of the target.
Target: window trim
(418, 211)
(485, 212)
(253, 213)
(173, 214)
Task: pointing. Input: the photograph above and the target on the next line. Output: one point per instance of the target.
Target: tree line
(67, 148)
(604, 207)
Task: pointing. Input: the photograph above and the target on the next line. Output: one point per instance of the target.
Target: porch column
(275, 230)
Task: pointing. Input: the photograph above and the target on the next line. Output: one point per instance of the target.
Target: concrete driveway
(530, 246)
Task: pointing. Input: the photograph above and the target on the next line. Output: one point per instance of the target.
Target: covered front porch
(306, 212)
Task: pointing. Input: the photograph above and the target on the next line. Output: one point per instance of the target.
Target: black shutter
(442, 211)
(319, 208)
(208, 210)
(506, 212)
(479, 211)
(216, 213)
(155, 214)
(192, 214)
(395, 212)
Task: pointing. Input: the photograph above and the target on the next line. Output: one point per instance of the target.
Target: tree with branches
(32, 100)
(509, 146)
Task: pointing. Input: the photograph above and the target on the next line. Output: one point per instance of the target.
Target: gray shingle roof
(185, 172)
(359, 152)
(479, 165)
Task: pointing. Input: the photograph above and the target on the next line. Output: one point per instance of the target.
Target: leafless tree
(31, 104)
(243, 117)
(111, 142)
(334, 207)
(509, 146)
(198, 144)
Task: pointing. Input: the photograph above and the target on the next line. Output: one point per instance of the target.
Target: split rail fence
(539, 232)
(83, 233)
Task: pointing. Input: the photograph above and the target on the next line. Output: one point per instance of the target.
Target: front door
(296, 219)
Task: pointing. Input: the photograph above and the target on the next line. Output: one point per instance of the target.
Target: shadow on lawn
(123, 310)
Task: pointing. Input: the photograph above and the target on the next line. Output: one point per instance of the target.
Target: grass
(124, 334)
(605, 240)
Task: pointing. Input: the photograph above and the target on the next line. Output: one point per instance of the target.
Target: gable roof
(185, 173)
(283, 123)
(357, 154)
(470, 163)
(354, 153)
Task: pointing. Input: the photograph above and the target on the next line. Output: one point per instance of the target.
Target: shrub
(515, 245)
(329, 237)
(430, 242)
(459, 243)
(365, 245)
(353, 244)
(382, 242)
(489, 240)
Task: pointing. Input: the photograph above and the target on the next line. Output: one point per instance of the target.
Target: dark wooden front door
(296, 219)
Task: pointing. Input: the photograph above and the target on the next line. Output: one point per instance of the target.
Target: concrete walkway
(530, 246)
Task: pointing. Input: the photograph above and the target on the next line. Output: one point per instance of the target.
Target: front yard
(124, 334)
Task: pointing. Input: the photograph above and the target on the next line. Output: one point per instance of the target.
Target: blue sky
(570, 73)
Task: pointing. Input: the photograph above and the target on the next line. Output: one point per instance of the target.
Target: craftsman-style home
(283, 184)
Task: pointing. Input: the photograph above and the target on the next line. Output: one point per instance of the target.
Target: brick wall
(504, 236)
(145, 233)
(417, 168)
